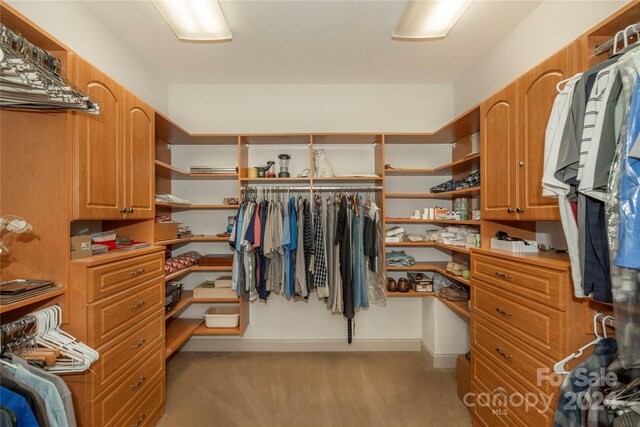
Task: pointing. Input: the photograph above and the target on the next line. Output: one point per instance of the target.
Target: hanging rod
(316, 188)
(633, 29)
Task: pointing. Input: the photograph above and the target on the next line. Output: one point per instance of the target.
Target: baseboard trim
(231, 345)
(437, 360)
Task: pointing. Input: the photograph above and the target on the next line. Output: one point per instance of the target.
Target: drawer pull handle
(140, 271)
(502, 311)
(141, 418)
(138, 305)
(138, 344)
(139, 383)
(503, 354)
(504, 276)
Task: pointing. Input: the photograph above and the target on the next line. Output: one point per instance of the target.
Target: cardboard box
(165, 231)
(463, 375)
(80, 246)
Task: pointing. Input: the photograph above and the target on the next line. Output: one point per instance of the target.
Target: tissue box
(516, 247)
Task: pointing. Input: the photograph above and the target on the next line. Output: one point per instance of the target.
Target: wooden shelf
(178, 331)
(428, 244)
(185, 301)
(172, 133)
(410, 294)
(347, 178)
(57, 291)
(176, 206)
(465, 124)
(443, 195)
(473, 160)
(438, 266)
(166, 170)
(192, 239)
(203, 330)
(460, 307)
(428, 221)
(187, 270)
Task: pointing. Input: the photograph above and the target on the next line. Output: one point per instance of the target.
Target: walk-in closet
(319, 213)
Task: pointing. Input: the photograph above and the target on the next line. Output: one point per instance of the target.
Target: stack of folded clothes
(452, 235)
(399, 258)
(472, 180)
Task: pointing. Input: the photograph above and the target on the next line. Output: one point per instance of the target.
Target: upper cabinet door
(139, 158)
(98, 148)
(536, 94)
(498, 142)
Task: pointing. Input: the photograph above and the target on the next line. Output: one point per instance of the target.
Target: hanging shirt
(52, 400)
(554, 187)
(234, 242)
(320, 266)
(17, 404)
(343, 239)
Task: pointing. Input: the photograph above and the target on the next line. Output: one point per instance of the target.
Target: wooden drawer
(534, 324)
(108, 407)
(114, 277)
(123, 353)
(142, 414)
(116, 314)
(510, 394)
(539, 284)
(515, 359)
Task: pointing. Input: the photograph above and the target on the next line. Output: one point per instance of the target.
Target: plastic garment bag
(625, 281)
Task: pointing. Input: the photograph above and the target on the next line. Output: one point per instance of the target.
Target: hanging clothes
(320, 265)
(343, 240)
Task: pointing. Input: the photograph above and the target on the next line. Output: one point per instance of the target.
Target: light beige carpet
(310, 389)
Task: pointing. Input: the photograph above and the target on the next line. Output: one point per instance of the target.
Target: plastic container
(222, 317)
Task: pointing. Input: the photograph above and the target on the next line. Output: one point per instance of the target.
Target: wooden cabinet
(513, 125)
(522, 322)
(113, 151)
(117, 306)
(498, 142)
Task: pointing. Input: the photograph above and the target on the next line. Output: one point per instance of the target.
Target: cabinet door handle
(123, 210)
(504, 276)
(139, 383)
(501, 352)
(519, 209)
(502, 311)
(510, 210)
(141, 418)
(138, 344)
(139, 271)
(130, 210)
(138, 305)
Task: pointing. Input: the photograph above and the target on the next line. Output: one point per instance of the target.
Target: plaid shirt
(320, 267)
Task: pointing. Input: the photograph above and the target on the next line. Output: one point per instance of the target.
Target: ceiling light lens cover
(424, 20)
(195, 20)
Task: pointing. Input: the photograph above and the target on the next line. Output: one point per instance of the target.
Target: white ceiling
(346, 41)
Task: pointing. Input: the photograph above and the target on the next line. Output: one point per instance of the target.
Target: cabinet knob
(138, 305)
(138, 344)
(139, 383)
(519, 209)
(504, 276)
(123, 210)
(521, 164)
(130, 210)
(503, 312)
(501, 352)
(141, 418)
(510, 210)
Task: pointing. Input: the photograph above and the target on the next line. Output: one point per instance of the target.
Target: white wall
(75, 25)
(311, 108)
(546, 30)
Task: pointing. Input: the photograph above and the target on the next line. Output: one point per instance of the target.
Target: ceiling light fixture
(428, 20)
(195, 20)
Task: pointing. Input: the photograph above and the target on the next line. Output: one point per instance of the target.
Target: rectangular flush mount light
(195, 20)
(424, 20)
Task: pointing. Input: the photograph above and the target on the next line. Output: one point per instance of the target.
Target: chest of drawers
(117, 307)
(523, 319)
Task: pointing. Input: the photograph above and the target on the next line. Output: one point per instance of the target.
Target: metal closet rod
(318, 188)
(634, 30)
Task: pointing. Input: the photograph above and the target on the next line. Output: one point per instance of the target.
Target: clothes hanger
(562, 82)
(559, 367)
